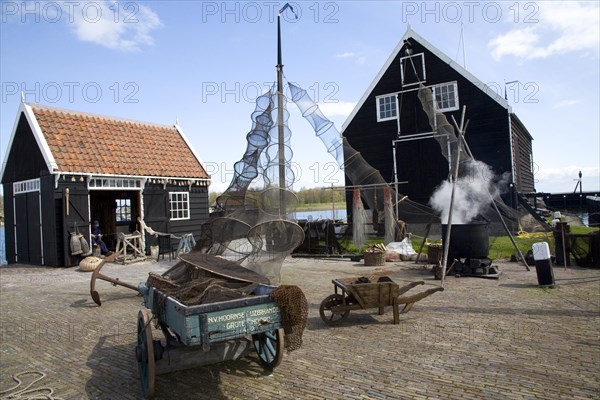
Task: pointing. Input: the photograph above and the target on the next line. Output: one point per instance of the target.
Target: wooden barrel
(434, 253)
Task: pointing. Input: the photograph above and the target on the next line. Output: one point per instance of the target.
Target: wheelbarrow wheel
(269, 346)
(326, 310)
(144, 353)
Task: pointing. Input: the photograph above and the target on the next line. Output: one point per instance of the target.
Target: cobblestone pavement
(479, 339)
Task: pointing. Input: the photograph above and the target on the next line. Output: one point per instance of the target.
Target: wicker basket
(374, 259)
(89, 264)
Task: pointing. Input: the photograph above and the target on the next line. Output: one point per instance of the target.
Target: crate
(373, 259)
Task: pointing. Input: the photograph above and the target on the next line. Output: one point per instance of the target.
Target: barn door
(155, 213)
(28, 228)
(76, 218)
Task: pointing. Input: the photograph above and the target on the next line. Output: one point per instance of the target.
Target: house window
(179, 205)
(123, 210)
(446, 96)
(386, 107)
(412, 69)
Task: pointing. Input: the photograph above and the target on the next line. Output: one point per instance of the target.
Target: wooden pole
(564, 247)
(455, 177)
(423, 242)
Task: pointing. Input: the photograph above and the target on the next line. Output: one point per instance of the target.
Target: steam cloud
(471, 196)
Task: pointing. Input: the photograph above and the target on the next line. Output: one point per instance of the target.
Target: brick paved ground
(505, 339)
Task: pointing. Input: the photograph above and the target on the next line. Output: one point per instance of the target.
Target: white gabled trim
(37, 134)
(189, 145)
(410, 34)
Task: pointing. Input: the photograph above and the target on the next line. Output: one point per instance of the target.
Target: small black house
(65, 168)
(389, 120)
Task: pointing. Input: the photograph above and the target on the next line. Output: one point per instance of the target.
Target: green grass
(500, 246)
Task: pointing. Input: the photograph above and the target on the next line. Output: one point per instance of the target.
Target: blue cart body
(205, 324)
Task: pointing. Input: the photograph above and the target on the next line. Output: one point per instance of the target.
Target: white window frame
(110, 183)
(30, 185)
(456, 105)
(384, 96)
(122, 203)
(179, 205)
(423, 74)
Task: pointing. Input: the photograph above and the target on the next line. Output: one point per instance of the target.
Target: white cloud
(567, 103)
(121, 26)
(561, 27)
(359, 59)
(340, 108)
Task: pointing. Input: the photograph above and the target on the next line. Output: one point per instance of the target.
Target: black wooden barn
(389, 114)
(64, 169)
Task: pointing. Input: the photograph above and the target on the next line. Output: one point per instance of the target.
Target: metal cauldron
(468, 240)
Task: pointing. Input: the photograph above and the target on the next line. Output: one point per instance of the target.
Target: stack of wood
(376, 248)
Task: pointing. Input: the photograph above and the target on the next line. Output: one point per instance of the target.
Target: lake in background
(322, 214)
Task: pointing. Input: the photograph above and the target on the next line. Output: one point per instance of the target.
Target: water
(2, 247)
(320, 215)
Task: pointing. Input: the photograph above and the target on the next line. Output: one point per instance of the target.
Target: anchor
(114, 281)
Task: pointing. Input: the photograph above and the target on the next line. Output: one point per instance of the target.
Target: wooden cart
(364, 293)
(207, 334)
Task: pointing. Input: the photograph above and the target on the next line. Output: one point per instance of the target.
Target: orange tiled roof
(96, 144)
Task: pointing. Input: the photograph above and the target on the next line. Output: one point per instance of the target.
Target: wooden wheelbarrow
(364, 293)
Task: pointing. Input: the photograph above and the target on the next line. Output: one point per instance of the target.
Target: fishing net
(367, 182)
(478, 190)
(294, 314)
(255, 225)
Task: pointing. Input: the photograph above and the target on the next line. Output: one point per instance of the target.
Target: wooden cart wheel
(269, 347)
(326, 310)
(144, 353)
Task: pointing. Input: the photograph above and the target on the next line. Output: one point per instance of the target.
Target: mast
(281, 145)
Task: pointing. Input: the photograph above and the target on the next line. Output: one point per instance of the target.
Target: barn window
(111, 183)
(446, 96)
(412, 69)
(386, 107)
(123, 210)
(179, 205)
(31, 185)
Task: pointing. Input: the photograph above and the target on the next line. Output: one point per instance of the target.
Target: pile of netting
(202, 279)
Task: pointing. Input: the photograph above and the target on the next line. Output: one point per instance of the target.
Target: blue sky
(204, 63)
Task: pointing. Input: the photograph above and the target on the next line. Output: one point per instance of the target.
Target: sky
(203, 63)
